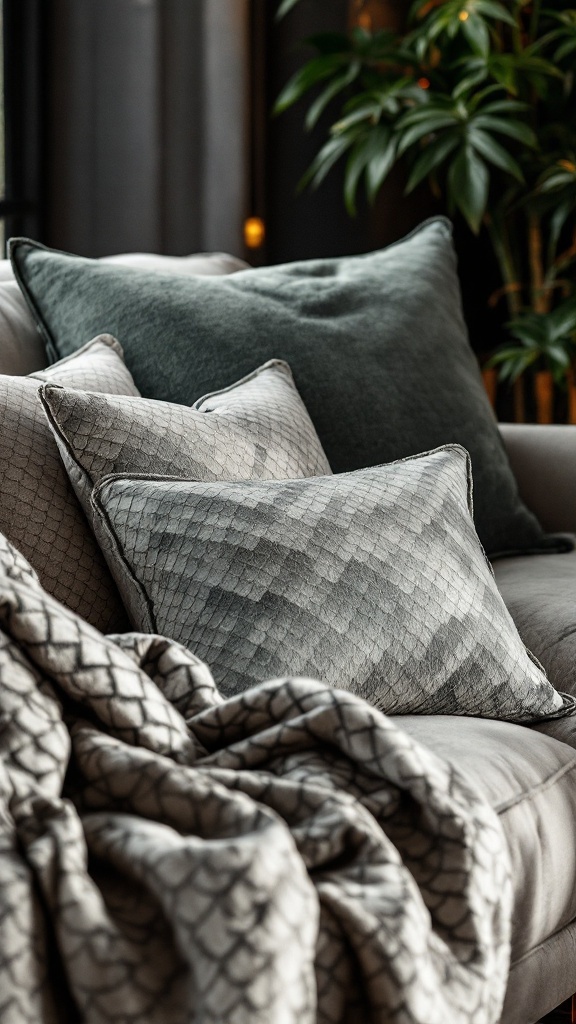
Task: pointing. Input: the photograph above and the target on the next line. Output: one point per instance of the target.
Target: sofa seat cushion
(540, 593)
(530, 780)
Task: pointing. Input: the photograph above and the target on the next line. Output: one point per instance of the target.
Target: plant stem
(564, 259)
(501, 245)
(539, 294)
(500, 239)
(534, 20)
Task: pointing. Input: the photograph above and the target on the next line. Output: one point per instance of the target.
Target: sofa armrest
(543, 459)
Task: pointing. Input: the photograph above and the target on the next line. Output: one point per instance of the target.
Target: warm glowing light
(254, 232)
(424, 83)
(371, 15)
(463, 15)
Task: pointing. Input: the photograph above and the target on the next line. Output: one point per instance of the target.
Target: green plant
(546, 341)
(478, 98)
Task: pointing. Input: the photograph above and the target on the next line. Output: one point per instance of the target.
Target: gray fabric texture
(540, 593)
(38, 509)
(377, 344)
(543, 459)
(530, 782)
(286, 857)
(256, 429)
(541, 980)
(21, 347)
(373, 580)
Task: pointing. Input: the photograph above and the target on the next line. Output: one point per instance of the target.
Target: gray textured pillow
(377, 345)
(21, 347)
(39, 512)
(372, 581)
(256, 429)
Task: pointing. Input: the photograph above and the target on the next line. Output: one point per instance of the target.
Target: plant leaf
(495, 10)
(515, 129)
(564, 318)
(356, 164)
(416, 132)
(492, 151)
(367, 112)
(339, 83)
(434, 154)
(326, 158)
(468, 181)
(477, 34)
(504, 106)
(316, 70)
(381, 161)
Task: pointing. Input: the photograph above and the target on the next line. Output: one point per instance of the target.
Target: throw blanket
(286, 856)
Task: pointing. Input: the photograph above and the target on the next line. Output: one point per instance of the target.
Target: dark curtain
(25, 26)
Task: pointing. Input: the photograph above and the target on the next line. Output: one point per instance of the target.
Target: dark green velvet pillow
(377, 345)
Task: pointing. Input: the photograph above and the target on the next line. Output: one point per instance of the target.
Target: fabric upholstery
(530, 781)
(540, 594)
(543, 459)
(377, 344)
(542, 979)
(258, 428)
(373, 580)
(39, 512)
(21, 348)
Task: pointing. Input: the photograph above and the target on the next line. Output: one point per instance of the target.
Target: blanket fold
(166, 856)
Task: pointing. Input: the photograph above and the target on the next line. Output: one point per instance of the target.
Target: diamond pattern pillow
(257, 428)
(373, 581)
(39, 512)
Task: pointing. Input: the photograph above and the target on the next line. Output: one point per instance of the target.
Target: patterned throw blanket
(284, 857)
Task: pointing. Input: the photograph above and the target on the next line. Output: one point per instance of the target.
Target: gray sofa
(526, 773)
(529, 774)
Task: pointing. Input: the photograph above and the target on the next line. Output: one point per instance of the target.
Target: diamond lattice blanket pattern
(287, 855)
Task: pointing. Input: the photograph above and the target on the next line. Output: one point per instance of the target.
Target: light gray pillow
(256, 429)
(21, 347)
(372, 581)
(39, 512)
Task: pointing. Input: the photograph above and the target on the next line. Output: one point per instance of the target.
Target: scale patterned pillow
(39, 512)
(373, 581)
(257, 428)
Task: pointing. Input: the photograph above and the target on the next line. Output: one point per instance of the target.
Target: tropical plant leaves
(477, 98)
(316, 70)
(545, 338)
(468, 181)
